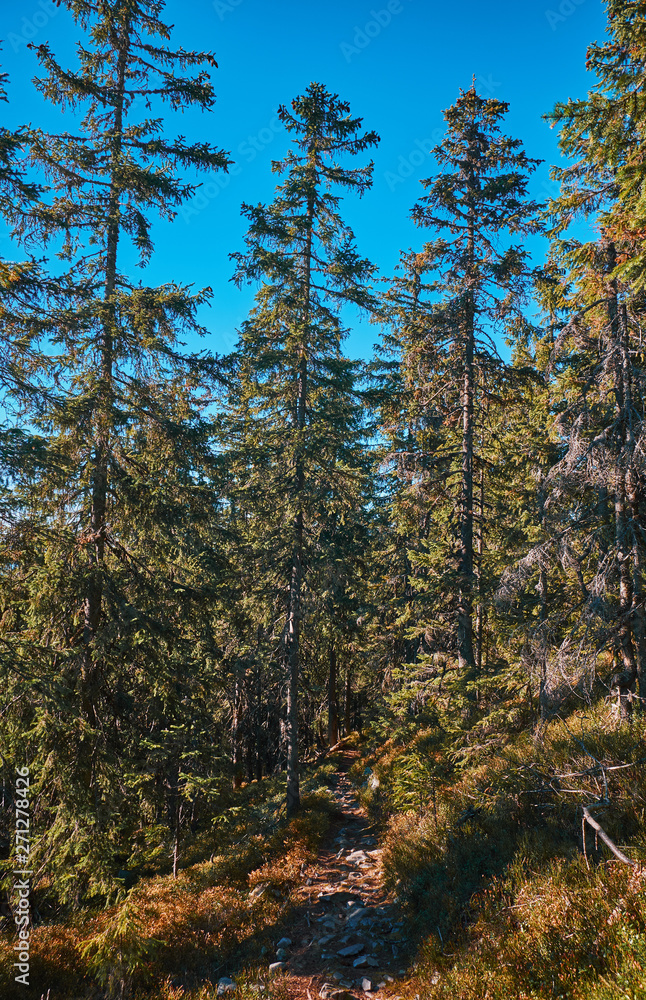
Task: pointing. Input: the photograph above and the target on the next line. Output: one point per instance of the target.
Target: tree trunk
(332, 702)
(173, 806)
(480, 612)
(543, 695)
(236, 734)
(258, 723)
(293, 799)
(638, 623)
(347, 708)
(100, 473)
(466, 659)
(624, 681)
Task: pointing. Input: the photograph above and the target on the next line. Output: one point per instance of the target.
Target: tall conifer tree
(478, 279)
(117, 520)
(600, 348)
(298, 392)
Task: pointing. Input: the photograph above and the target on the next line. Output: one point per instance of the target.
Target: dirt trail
(346, 937)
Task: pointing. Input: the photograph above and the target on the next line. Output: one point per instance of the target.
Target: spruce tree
(298, 409)
(467, 285)
(117, 521)
(599, 349)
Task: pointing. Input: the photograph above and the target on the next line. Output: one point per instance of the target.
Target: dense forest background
(215, 566)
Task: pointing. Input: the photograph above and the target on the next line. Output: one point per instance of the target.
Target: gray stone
(351, 949)
(277, 966)
(366, 985)
(284, 943)
(372, 961)
(225, 985)
(282, 954)
(361, 961)
(356, 856)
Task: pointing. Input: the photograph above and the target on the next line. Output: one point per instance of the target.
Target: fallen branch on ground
(606, 839)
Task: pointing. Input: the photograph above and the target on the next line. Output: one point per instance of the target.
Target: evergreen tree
(600, 349)
(298, 412)
(446, 327)
(116, 524)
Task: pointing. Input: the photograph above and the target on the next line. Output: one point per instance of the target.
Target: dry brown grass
(171, 938)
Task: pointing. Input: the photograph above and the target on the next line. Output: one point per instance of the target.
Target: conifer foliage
(212, 568)
(467, 286)
(113, 520)
(297, 389)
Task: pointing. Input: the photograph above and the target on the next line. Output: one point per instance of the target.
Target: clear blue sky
(399, 63)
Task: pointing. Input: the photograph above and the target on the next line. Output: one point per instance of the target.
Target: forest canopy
(214, 566)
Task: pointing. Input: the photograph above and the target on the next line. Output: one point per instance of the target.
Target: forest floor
(347, 930)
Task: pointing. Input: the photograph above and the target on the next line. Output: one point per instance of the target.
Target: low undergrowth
(484, 846)
(169, 938)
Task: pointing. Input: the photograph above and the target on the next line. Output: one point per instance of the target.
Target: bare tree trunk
(332, 702)
(176, 838)
(258, 723)
(172, 784)
(623, 682)
(543, 699)
(480, 611)
(347, 708)
(236, 735)
(293, 665)
(638, 623)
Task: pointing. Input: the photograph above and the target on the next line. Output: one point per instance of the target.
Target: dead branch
(606, 839)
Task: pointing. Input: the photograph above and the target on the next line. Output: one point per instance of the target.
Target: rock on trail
(345, 923)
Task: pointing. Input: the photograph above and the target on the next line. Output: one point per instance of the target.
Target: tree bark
(466, 659)
(347, 708)
(332, 701)
(292, 643)
(100, 474)
(480, 611)
(624, 681)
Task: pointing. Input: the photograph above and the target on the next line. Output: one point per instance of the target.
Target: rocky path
(346, 939)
